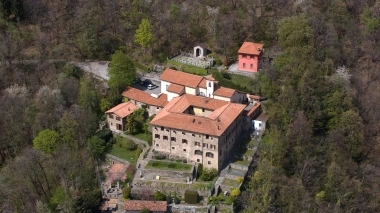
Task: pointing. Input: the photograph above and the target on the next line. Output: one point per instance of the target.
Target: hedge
(191, 197)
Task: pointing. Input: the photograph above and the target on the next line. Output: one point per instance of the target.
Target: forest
(320, 152)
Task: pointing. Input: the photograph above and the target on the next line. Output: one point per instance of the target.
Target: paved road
(97, 68)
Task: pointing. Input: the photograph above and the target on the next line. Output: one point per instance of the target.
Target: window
(211, 138)
(155, 128)
(183, 133)
(209, 84)
(110, 116)
(207, 136)
(205, 145)
(157, 144)
(198, 160)
(165, 137)
(259, 124)
(209, 154)
(193, 135)
(158, 107)
(197, 152)
(203, 110)
(157, 136)
(184, 150)
(212, 146)
(167, 130)
(173, 147)
(220, 153)
(251, 66)
(117, 118)
(167, 86)
(162, 128)
(174, 132)
(173, 139)
(184, 141)
(209, 162)
(243, 65)
(197, 143)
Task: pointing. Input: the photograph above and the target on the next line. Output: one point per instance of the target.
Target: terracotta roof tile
(144, 97)
(251, 48)
(181, 78)
(175, 88)
(253, 108)
(224, 113)
(203, 82)
(224, 92)
(123, 110)
(138, 205)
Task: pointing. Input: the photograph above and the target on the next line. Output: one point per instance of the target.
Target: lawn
(145, 137)
(229, 182)
(243, 162)
(155, 164)
(235, 81)
(188, 68)
(249, 152)
(243, 81)
(120, 151)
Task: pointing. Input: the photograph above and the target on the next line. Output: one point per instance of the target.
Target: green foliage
(121, 73)
(187, 68)
(199, 170)
(371, 23)
(130, 145)
(127, 192)
(233, 81)
(209, 174)
(191, 197)
(97, 146)
(88, 201)
(72, 71)
(235, 192)
(294, 32)
(88, 96)
(144, 35)
(46, 141)
(58, 197)
(240, 180)
(145, 210)
(104, 134)
(104, 104)
(159, 196)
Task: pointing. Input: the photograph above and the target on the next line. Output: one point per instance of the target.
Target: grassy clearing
(235, 81)
(188, 68)
(145, 137)
(229, 182)
(243, 162)
(249, 152)
(155, 164)
(118, 149)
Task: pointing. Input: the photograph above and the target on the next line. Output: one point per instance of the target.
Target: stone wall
(169, 173)
(239, 166)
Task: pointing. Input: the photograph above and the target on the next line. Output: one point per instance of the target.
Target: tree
(158, 195)
(122, 73)
(46, 141)
(96, 145)
(144, 36)
(127, 192)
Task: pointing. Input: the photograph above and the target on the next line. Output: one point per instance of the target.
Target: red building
(249, 56)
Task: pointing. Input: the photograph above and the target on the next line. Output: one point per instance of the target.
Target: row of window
(183, 133)
(116, 117)
(244, 65)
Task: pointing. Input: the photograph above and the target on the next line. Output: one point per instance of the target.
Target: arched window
(198, 152)
(209, 154)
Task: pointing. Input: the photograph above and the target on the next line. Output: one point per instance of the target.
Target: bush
(191, 197)
(154, 164)
(235, 192)
(130, 145)
(138, 152)
(145, 210)
(209, 174)
(171, 165)
(159, 196)
(127, 192)
(240, 180)
(104, 134)
(226, 75)
(199, 170)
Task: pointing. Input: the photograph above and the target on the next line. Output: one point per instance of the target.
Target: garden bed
(167, 165)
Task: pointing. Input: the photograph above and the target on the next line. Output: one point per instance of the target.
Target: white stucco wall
(191, 91)
(164, 85)
(221, 98)
(171, 95)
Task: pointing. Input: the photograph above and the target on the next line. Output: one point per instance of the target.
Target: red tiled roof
(143, 97)
(138, 205)
(181, 78)
(175, 88)
(255, 107)
(203, 82)
(224, 92)
(123, 110)
(251, 48)
(224, 113)
(256, 97)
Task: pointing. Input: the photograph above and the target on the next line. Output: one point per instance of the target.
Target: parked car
(152, 86)
(145, 82)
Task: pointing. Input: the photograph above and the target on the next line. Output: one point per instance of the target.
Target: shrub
(159, 196)
(209, 174)
(154, 164)
(199, 170)
(104, 134)
(130, 145)
(171, 165)
(191, 197)
(235, 192)
(226, 75)
(240, 180)
(145, 210)
(127, 192)
(138, 152)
